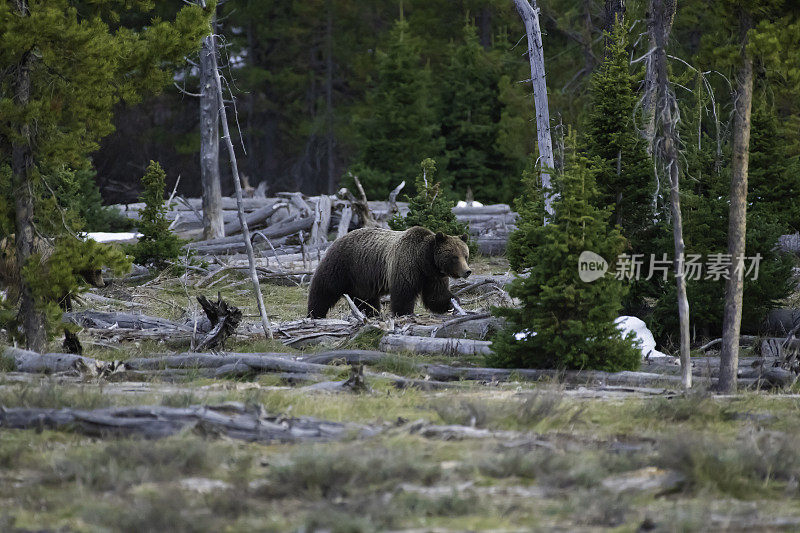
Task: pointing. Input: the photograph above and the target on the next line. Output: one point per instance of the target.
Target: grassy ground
(548, 460)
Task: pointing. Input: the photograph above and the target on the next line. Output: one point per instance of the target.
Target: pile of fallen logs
(461, 336)
(295, 219)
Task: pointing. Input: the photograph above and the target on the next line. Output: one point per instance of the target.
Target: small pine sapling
(158, 244)
(429, 208)
(564, 322)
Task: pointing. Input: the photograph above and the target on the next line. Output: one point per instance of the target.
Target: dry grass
(737, 454)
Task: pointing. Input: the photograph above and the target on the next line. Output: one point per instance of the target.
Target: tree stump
(224, 320)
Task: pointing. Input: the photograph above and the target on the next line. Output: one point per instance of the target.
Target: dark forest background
(307, 74)
(327, 86)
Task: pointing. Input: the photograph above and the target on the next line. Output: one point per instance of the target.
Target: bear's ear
(465, 238)
(440, 237)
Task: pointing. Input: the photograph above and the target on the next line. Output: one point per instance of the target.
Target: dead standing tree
(213, 222)
(665, 108)
(237, 184)
(734, 285)
(530, 17)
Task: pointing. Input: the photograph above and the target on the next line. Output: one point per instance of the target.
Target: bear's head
(450, 255)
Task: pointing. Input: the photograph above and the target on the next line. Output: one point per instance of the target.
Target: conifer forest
(399, 265)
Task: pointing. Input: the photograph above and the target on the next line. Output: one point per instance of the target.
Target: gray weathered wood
(428, 345)
(344, 221)
(213, 225)
(232, 419)
(255, 218)
(322, 220)
(530, 17)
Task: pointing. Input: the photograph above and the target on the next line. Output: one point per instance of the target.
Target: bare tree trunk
(650, 89)
(33, 320)
(213, 224)
(237, 184)
(530, 17)
(329, 94)
(662, 13)
(737, 221)
(613, 12)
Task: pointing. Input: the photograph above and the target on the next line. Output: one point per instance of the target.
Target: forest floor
(513, 456)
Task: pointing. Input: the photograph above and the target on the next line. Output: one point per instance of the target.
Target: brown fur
(370, 262)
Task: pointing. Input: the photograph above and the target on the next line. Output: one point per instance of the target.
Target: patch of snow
(647, 343)
(204, 485)
(100, 236)
(524, 334)
(462, 203)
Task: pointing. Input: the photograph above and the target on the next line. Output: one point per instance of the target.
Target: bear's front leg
(436, 295)
(404, 296)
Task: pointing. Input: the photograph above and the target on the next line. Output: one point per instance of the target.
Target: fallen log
(235, 244)
(346, 357)
(102, 300)
(428, 345)
(231, 419)
(35, 363)
(123, 320)
(494, 209)
(477, 329)
(264, 362)
(255, 218)
(247, 364)
(296, 199)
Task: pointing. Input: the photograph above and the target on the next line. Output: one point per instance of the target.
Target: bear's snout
(466, 274)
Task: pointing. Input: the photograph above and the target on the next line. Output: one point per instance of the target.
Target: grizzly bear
(370, 262)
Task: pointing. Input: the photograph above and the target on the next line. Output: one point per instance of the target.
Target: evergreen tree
(625, 174)
(430, 208)
(522, 250)
(158, 244)
(705, 207)
(774, 175)
(471, 110)
(564, 322)
(68, 64)
(515, 140)
(398, 124)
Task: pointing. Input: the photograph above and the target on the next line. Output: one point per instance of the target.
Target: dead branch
(353, 309)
